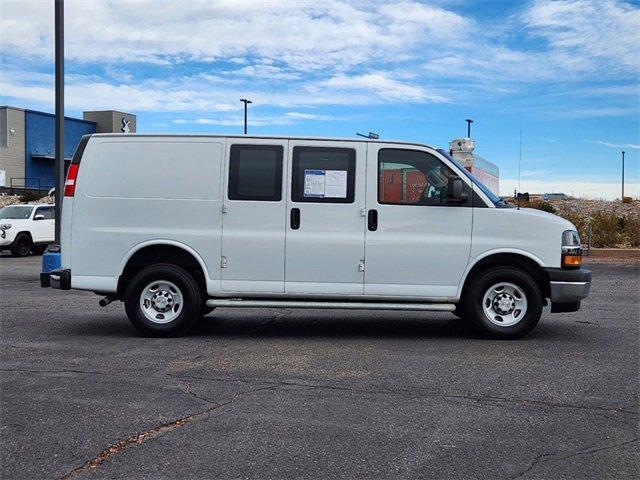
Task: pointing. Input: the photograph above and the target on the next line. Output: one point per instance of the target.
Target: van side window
(255, 172)
(323, 175)
(412, 177)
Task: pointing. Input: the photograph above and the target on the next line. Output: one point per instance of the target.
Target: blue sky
(566, 73)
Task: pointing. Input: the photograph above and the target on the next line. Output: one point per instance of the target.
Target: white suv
(26, 228)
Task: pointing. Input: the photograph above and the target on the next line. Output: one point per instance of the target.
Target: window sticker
(336, 184)
(325, 183)
(314, 181)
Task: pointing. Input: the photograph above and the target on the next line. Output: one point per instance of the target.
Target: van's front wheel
(163, 300)
(504, 302)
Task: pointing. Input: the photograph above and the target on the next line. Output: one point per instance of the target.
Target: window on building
(255, 172)
(412, 177)
(324, 175)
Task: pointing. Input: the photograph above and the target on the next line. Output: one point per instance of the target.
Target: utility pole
(59, 130)
(469, 122)
(622, 176)
(519, 160)
(245, 101)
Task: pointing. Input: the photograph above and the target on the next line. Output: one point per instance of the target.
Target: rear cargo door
(254, 212)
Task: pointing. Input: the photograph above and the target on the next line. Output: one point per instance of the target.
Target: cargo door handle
(295, 218)
(372, 220)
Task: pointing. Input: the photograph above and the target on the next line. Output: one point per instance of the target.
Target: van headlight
(571, 249)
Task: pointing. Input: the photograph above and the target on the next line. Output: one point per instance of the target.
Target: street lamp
(469, 122)
(622, 176)
(245, 101)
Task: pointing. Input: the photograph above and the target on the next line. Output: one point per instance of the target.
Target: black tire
(188, 292)
(475, 312)
(21, 246)
(38, 249)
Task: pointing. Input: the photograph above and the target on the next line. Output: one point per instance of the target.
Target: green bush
(605, 230)
(631, 232)
(31, 196)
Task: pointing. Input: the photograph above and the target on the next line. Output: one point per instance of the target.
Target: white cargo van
(175, 226)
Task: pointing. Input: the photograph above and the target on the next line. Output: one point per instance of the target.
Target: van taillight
(70, 183)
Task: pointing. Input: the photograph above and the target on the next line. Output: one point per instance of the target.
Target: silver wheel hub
(504, 304)
(161, 301)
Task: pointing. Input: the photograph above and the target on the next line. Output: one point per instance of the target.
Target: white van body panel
(159, 201)
(65, 232)
(417, 250)
(532, 233)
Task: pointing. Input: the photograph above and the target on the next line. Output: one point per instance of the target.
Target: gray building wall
(12, 145)
(112, 121)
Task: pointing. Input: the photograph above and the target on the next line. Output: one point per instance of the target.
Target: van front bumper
(567, 288)
(60, 279)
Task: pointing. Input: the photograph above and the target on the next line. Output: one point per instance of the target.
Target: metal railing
(22, 184)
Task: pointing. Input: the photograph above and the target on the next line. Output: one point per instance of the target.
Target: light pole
(245, 101)
(59, 130)
(622, 176)
(469, 122)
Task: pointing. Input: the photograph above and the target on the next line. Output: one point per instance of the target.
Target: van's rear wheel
(163, 300)
(504, 302)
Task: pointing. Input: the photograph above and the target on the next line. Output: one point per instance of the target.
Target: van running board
(433, 307)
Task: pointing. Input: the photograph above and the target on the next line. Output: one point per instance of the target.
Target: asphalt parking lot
(316, 394)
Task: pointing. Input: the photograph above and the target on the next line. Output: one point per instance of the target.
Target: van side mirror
(456, 194)
(39, 217)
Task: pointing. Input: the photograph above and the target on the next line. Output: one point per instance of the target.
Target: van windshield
(21, 212)
(496, 200)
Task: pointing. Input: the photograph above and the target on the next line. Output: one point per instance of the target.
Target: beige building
(12, 147)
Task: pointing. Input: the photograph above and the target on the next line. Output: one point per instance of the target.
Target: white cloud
(313, 53)
(578, 188)
(614, 145)
(588, 35)
(384, 86)
(288, 118)
(304, 35)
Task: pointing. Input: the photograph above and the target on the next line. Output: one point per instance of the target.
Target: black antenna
(371, 136)
(519, 166)
(469, 122)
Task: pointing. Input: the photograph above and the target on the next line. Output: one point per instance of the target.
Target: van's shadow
(298, 324)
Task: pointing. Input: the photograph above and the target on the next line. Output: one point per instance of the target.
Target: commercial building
(27, 142)
(462, 149)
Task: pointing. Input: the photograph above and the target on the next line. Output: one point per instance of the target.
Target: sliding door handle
(295, 218)
(372, 220)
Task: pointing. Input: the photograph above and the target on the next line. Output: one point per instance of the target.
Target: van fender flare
(160, 241)
(472, 263)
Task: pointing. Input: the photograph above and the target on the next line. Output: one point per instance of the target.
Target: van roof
(264, 137)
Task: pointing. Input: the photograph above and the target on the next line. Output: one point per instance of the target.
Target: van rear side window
(255, 173)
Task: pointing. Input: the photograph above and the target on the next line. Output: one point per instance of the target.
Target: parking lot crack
(560, 456)
(155, 432)
(419, 392)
